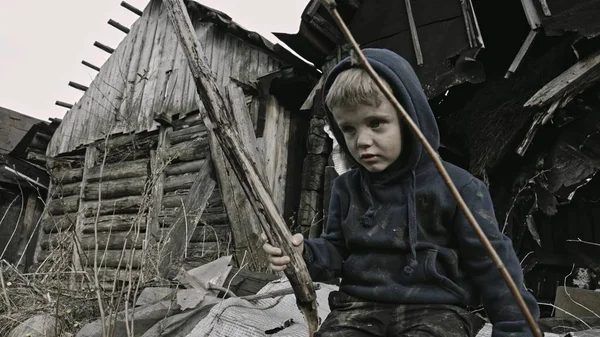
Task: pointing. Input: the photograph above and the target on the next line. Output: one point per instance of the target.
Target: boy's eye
(347, 129)
(376, 123)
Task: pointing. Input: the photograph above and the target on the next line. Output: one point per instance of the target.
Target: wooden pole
(64, 105)
(89, 65)
(118, 26)
(413, 33)
(104, 47)
(331, 6)
(78, 86)
(131, 8)
(217, 118)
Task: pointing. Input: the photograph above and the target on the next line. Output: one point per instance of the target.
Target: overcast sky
(43, 42)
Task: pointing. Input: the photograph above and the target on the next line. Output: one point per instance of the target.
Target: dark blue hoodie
(398, 236)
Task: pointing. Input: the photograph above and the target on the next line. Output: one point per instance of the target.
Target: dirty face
(372, 134)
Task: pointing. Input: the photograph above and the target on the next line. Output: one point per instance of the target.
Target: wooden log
(112, 258)
(188, 151)
(174, 183)
(78, 86)
(104, 47)
(123, 170)
(115, 188)
(312, 172)
(67, 190)
(60, 240)
(189, 120)
(125, 205)
(67, 176)
(158, 176)
(318, 141)
(112, 240)
(129, 140)
(131, 8)
(183, 168)
(64, 105)
(118, 26)
(61, 223)
(214, 216)
(188, 133)
(63, 205)
(114, 223)
(91, 154)
(309, 210)
(109, 275)
(246, 171)
(89, 65)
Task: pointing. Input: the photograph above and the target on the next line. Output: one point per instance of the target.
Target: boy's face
(372, 134)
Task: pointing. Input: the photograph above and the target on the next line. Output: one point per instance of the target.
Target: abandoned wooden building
(516, 103)
(127, 154)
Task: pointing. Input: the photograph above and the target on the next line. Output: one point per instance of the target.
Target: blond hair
(353, 87)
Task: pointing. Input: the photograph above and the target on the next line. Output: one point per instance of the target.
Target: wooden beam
(218, 118)
(545, 7)
(522, 52)
(118, 26)
(531, 13)
(131, 8)
(64, 105)
(78, 86)
(413, 33)
(104, 47)
(89, 65)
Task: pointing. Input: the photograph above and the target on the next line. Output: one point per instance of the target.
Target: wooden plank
(123, 170)
(142, 114)
(158, 177)
(228, 45)
(268, 142)
(184, 226)
(89, 161)
(571, 82)
(281, 155)
(152, 86)
(127, 106)
(522, 52)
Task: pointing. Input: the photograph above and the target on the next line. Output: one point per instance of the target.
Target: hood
(399, 74)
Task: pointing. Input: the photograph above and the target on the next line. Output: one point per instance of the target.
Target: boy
(409, 261)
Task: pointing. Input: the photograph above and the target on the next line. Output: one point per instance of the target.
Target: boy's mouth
(368, 157)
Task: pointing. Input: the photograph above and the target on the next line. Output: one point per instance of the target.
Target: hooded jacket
(398, 236)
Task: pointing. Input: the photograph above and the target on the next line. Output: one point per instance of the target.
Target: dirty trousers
(351, 317)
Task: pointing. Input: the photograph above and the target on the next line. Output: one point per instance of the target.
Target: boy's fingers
(271, 250)
(278, 268)
(297, 239)
(279, 260)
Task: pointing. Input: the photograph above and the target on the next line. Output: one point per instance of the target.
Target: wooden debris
(218, 111)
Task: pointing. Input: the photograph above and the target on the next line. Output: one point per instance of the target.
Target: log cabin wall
(128, 201)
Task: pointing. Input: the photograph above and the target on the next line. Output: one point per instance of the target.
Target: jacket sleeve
(499, 303)
(324, 255)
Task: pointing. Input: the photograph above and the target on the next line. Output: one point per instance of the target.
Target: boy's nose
(364, 140)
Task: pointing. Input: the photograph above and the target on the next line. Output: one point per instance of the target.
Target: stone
(154, 294)
(42, 325)
(573, 301)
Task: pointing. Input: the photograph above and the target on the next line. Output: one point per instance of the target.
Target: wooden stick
(131, 8)
(331, 5)
(118, 26)
(104, 47)
(545, 8)
(89, 65)
(64, 105)
(413, 33)
(217, 112)
(78, 86)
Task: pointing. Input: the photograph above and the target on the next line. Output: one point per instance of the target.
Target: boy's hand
(278, 262)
